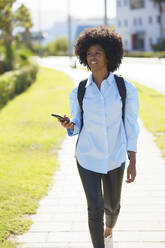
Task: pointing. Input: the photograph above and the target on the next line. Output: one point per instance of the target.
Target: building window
(138, 41)
(140, 21)
(119, 23)
(118, 4)
(125, 43)
(134, 22)
(150, 19)
(136, 4)
(150, 41)
(158, 19)
(125, 23)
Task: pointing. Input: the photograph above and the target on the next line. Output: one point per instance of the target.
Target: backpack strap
(80, 96)
(121, 88)
(122, 91)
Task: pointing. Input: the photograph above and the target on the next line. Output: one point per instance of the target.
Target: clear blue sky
(56, 10)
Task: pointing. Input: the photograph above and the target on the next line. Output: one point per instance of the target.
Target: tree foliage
(10, 19)
(57, 47)
(6, 28)
(23, 19)
(160, 3)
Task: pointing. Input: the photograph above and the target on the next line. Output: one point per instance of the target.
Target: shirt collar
(109, 79)
(89, 80)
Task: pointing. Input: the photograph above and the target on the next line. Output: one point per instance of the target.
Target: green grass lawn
(29, 141)
(152, 112)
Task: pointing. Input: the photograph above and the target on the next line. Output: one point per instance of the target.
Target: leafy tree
(6, 28)
(23, 19)
(57, 47)
(8, 21)
(159, 3)
(61, 46)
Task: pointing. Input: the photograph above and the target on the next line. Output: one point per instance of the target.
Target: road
(149, 72)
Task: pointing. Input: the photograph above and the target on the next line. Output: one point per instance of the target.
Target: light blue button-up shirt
(104, 140)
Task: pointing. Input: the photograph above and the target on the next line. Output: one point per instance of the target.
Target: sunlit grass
(29, 141)
(152, 112)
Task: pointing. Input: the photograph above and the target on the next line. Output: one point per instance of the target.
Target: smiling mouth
(93, 63)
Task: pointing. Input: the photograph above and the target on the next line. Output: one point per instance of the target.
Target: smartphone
(59, 117)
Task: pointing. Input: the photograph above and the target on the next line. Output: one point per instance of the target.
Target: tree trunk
(27, 38)
(161, 28)
(160, 7)
(8, 49)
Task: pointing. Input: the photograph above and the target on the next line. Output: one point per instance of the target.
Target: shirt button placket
(105, 130)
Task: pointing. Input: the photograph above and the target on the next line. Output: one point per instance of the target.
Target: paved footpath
(61, 219)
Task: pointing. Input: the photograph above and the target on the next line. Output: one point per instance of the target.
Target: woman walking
(105, 137)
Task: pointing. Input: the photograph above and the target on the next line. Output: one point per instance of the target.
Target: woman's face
(96, 58)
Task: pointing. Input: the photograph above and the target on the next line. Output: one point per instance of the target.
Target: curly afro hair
(109, 40)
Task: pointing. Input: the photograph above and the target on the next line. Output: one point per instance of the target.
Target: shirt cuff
(73, 132)
(132, 146)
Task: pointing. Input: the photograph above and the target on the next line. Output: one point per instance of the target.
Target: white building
(138, 21)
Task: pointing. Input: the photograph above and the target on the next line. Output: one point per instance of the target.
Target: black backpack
(122, 91)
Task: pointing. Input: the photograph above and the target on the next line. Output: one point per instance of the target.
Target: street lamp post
(40, 29)
(69, 31)
(105, 12)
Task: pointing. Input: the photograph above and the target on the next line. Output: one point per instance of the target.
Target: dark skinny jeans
(98, 202)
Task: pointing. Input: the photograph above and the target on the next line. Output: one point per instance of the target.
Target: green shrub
(145, 54)
(7, 87)
(58, 47)
(15, 82)
(3, 66)
(160, 46)
(35, 48)
(22, 57)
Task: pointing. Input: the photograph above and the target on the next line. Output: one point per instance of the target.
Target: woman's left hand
(131, 171)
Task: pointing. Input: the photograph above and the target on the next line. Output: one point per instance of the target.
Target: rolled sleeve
(131, 117)
(75, 113)
(73, 132)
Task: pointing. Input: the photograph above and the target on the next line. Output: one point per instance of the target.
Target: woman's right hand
(67, 123)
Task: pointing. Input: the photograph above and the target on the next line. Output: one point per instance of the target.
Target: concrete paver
(61, 219)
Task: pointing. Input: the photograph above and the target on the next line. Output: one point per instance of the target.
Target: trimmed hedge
(15, 82)
(145, 54)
